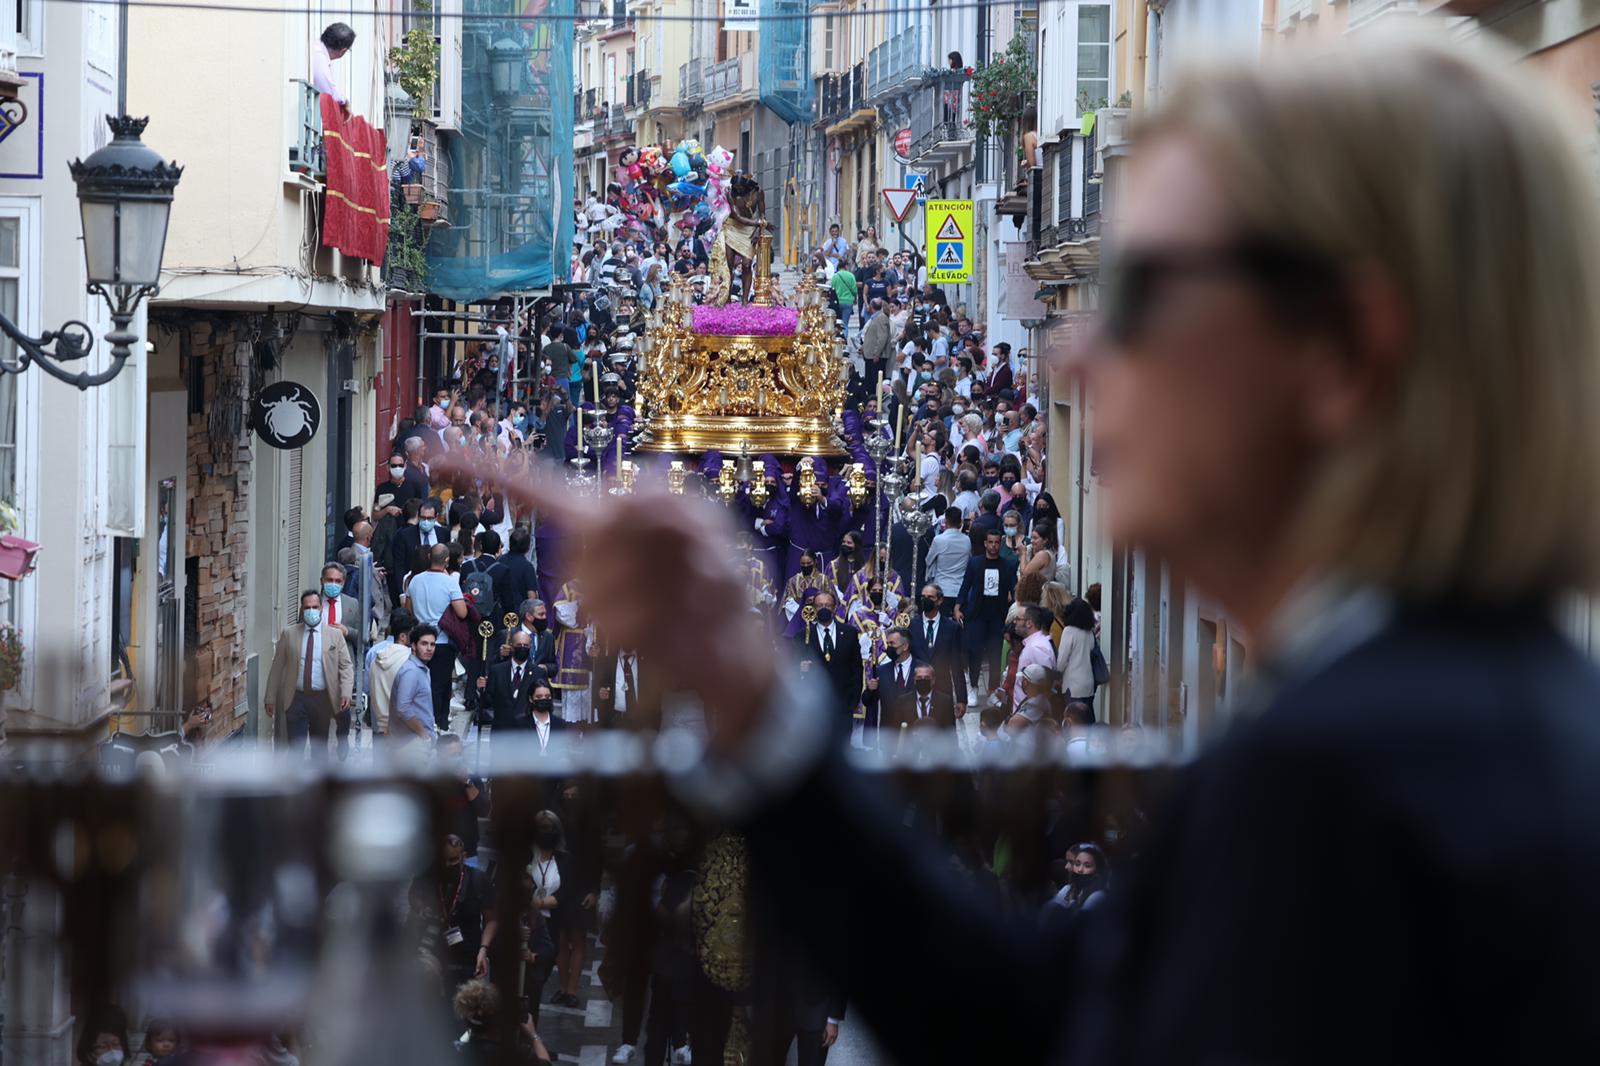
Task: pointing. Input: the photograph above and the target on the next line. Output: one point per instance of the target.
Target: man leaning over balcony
(334, 42)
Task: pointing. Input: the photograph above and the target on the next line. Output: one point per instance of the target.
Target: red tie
(333, 611)
(305, 676)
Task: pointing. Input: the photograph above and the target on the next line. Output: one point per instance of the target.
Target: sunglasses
(1299, 280)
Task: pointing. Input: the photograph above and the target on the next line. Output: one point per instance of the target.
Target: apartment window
(827, 42)
(1093, 88)
(30, 27)
(16, 302)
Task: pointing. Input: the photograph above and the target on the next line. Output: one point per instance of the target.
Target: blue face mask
(312, 617)
(331, 590)
(426, 525)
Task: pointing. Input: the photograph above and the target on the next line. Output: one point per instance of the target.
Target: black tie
(516, 678)
(900, 675)
(827, 642)
(922, 707)
(928, 629)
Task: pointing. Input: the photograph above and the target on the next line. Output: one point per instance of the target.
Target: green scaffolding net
(511, 164)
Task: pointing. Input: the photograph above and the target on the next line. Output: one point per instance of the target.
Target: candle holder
(627, 479)
(808, 481)
(580, 478)
(675, 477)
(727, 484)
(855, 479)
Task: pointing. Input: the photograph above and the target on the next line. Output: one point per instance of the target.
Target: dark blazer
(843, 671)
(889, 689)
(983, 523)
(1444, 734)
(903, 711)
(508, 705)
(402, 550)
(542, 654)
(972, 585)
(949, 664)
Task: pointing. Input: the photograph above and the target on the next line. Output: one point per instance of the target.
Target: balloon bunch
(657, 182)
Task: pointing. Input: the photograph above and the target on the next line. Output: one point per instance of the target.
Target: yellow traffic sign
(950, 247)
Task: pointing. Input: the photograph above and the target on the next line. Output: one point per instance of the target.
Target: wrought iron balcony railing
(306, 153)
(691, 82)
(898, 61)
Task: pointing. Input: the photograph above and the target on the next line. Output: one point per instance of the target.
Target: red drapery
(357, 217)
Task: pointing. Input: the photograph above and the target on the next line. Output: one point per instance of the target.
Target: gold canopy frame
(700, 391)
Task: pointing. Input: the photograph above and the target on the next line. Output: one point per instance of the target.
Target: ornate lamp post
(125, 199)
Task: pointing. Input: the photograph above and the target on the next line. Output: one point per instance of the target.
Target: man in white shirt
(334, 42)
(948, 555)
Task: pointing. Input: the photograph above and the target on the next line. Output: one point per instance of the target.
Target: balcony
(729, 81)
(306, 158)
(939, 131)
(899, 61)
(843, 102)
(691, 82)
(613, 123)
(10, 80)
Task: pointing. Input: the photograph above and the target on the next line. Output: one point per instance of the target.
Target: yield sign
(949, 231)
(900, 201)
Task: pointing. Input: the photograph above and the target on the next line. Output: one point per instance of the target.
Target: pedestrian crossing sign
(949, 241)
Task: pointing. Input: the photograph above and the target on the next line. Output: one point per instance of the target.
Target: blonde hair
(1476, 478)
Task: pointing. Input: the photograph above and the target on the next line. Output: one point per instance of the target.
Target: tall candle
(619, 453)
(580, 429)
(899, 419)
(594, 364)
(877, 396)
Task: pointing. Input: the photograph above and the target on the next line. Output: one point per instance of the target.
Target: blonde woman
(1348, 376)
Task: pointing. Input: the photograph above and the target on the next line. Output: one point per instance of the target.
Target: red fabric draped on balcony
(357, 215)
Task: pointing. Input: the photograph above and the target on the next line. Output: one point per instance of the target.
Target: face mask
(520, 653)
(397, 472)
(1011, 531)
(875, 597)
(958, 410)
(109, 1058)
(540, 624)
(426, 525)
(807, 568)
(542, 706)
(547, 839)
(312, 617)
(928, 604)
(331, 589)
(1007, 482)
(824, 615)
(924, 685)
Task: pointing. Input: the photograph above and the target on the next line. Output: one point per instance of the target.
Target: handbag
(1097, 663)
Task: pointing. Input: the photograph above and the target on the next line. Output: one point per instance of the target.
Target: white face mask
(109, 1058)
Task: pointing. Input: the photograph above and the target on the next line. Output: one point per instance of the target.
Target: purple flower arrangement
(739, 319)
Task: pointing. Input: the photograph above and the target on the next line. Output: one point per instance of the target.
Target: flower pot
(428, 211)
(413, 193)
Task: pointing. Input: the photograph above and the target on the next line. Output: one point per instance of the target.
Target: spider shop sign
(286, 415)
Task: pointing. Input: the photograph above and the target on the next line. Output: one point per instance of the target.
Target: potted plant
(428, 210)
(412, 192)
(10, 658)
(1000, 91)
(415, 61)
(407, 259)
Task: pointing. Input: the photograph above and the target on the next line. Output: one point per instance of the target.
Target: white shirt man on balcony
(334, 42)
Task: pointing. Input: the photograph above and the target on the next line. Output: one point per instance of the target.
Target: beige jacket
(337, 670)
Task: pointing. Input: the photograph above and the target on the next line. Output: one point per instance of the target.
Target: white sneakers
(624, 1054)
(681, 1057)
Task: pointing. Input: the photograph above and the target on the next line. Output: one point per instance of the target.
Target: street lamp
(505, 56)
(124, 198)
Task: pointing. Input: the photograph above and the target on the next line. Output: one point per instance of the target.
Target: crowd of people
(450, 612)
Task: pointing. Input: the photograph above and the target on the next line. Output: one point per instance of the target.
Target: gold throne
(702, 390)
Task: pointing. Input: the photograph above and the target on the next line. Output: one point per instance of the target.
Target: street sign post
(900, 202)
(950, 246)
(918, 183)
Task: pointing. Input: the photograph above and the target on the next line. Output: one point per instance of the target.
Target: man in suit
(887, 683)
(922, 707)
(407, 539)
(833, 648)
(311, 679)
(341, 613)
(987, 518)
(936, 639)
(508, 684)
(875, 342)
(535, 624)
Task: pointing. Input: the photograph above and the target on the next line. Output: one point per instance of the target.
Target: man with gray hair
(535, 625)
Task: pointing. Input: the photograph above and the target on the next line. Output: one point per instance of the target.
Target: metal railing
(691, 82)
(306, 155)
(901, 59)
(939, 114)
(727, 78)
(841, 95)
